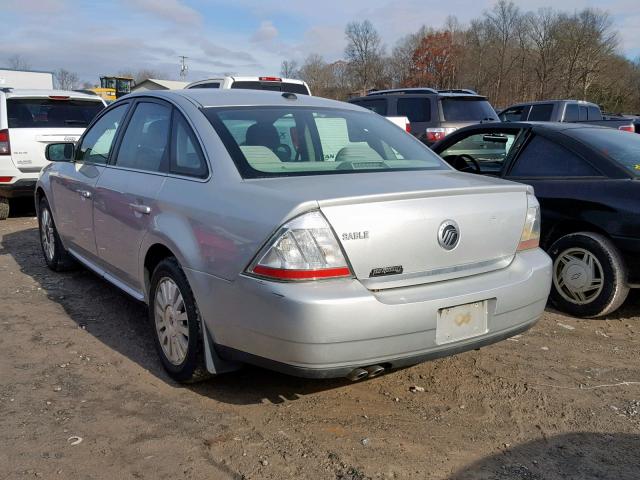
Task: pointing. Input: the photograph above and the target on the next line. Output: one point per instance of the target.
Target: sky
(252, 37)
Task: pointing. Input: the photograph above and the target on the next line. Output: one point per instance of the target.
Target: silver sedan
(306, 235)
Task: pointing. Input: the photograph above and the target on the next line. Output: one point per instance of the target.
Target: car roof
(549, 126)
(544, 102)
(36, 93)
(205, 97)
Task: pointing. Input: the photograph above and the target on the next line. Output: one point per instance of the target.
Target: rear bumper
(18, 189)
(325, 329)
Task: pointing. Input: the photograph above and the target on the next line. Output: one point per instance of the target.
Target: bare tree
(65, 80)
(289, 69)
(363, 52)
(143, 74)
(17, 62)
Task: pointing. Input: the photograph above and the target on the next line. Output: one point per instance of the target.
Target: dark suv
(432, 113)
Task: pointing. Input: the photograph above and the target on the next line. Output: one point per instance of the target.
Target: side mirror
(60, 152)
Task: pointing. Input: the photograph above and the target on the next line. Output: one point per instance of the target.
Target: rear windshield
(467, 109)
(274, 86)
(279, 141)
(48, 113)
(622, 147)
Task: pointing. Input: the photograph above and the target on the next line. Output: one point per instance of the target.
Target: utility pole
(183, 67)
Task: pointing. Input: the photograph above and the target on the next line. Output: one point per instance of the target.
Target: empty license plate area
(461, 322)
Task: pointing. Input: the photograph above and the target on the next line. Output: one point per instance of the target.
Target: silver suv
(298, 233)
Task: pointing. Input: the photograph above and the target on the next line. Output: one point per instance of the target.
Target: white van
(29, 120)
(255, 83)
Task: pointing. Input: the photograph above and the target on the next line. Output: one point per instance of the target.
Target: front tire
(55, 255)
(589, 275)
(175, 320)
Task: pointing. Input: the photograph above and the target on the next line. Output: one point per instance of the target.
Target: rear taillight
(303, 249)
(530, 237)
(5, 146)
(627, 128)
(407, 127)
(5, 179)
(435, 134)
(270, 79)
(59, 97)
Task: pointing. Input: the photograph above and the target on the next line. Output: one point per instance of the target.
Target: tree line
(507, 54)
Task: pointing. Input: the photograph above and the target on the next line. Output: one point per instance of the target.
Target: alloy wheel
(47, 234)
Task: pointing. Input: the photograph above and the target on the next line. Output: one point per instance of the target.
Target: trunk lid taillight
(304, 248)
(5, 146)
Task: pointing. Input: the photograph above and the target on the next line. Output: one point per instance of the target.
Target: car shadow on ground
(120, 322)
(581, 456)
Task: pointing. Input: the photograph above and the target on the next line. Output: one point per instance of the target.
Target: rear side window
(467, 109)
(541, 113)
(273, 86)
(545, 158)
(593, 113)
(144, 145)
(571, 113)
(415, 109)
(622, 147)
(378, 106)
(582, 115)
(48, 113)
(98, 140)
(187, 158)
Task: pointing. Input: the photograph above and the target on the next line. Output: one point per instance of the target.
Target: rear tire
(589, 275)
(175, 320)
(4, 208)
(55, 255)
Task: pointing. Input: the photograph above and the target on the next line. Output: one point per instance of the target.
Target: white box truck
(25, 79)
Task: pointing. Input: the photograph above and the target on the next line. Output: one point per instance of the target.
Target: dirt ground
(77, 363)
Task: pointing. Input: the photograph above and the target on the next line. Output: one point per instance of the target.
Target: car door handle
(140, 208)
(84, 193)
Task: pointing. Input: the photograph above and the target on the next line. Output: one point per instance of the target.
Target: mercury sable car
(306, 235)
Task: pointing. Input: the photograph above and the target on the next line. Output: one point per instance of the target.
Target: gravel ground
(82, 396)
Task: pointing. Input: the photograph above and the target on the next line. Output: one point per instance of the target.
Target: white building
(155, 84)
(10, 78)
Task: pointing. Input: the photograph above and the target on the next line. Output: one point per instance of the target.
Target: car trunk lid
(400, 239)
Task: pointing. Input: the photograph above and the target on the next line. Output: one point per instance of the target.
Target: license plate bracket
(461, 322)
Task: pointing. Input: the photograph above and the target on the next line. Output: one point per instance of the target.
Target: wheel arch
(153, 256)
(561, 228)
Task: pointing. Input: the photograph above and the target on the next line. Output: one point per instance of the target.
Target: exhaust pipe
(357, 374)
(374, 370)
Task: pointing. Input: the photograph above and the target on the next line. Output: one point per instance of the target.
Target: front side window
(378, 106)
(145, 142)
(487, 151)
(545, 158)
(515, 114)
(50, 113)
(541, 112)
(279, 141)
(98, 140)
